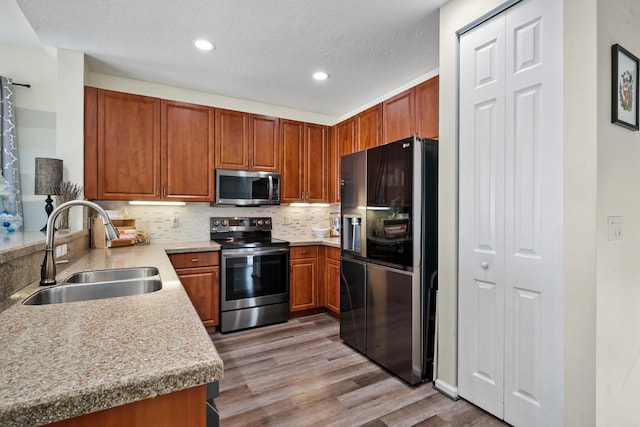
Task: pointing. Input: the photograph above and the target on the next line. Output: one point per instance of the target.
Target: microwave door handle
(270, 198)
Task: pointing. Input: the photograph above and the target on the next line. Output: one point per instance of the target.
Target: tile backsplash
(193, 219)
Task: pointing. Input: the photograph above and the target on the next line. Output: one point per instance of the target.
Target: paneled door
(510, 226)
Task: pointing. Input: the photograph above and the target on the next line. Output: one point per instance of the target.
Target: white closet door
(510, 225)
(481, 221)
(533, 214)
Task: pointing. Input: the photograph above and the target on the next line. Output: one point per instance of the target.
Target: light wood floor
(301, 374)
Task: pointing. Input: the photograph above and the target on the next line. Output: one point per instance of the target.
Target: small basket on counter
(132, 232)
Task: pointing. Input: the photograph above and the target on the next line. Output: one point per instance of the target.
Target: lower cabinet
(199, 273)
(332, 277)
(303, 278)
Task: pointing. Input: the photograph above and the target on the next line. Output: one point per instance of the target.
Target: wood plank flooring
(300, 373)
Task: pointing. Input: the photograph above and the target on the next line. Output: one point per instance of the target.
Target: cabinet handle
(307, 195)
(195, 259)
(303, 252)
(164, 190)
(157, 190)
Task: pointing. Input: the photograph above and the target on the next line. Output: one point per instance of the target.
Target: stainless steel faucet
(48, 271)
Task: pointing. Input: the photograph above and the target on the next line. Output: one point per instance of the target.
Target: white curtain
(11, 205)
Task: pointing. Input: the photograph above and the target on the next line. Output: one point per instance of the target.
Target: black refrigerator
(389, 258)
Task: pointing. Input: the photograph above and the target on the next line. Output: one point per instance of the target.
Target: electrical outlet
(175, 222)
(61, 250)
(287, 220)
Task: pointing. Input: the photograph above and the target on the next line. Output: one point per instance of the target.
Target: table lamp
(48, 176)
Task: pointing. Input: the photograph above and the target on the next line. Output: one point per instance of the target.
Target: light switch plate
(614, 225)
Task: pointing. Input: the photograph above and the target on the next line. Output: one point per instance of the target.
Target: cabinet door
(203, 288)
(187, 152)
(427, 109)
(369, 128)
(315, 169)
(333, 286)
(264, 144)
(292, 139)
(346, 137)
(399, 117)
(232, 139)
(303, 284)
(128, 146)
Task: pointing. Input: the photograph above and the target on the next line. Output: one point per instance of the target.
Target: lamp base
(48, 208)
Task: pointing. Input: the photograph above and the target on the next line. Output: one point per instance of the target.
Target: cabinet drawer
(303, 252)
(195, 259)
(333, 253)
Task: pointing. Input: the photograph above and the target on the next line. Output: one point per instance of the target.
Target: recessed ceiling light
(203, 44)
(320, 75)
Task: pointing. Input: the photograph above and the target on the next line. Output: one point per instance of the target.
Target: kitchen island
(61, 361)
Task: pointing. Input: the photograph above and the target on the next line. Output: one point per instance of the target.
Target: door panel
(481, 223)
(353, 275)
(533, 214)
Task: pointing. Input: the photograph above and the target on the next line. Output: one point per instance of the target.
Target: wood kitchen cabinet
(399, 117)
(303, 278)
(304, 162)
(199, 273)
(369, 128)
(122, 146)
(427, 108)
(186, 155)
(143, 148)
(332, 277)
(246, 141)
(343, 141)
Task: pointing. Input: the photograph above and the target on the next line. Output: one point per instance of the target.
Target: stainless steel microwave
(247, 188)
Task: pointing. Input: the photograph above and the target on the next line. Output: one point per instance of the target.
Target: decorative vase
(63, 218)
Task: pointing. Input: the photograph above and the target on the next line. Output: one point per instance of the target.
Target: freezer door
(393, 322)
(353, 275)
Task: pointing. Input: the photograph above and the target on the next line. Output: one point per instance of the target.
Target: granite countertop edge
(63, 343)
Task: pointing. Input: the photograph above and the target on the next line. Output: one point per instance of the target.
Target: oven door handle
(234, 253)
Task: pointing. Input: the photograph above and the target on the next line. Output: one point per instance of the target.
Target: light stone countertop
(313, 240)
(63, 360)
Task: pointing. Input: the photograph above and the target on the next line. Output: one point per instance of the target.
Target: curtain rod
(21, 84)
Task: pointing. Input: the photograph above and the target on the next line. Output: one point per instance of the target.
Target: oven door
(253, 277)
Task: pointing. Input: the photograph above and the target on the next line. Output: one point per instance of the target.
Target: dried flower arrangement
(66, 191)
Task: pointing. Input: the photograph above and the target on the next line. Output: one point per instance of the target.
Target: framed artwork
(624, 88)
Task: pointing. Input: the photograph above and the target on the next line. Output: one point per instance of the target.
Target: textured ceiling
(265, 51)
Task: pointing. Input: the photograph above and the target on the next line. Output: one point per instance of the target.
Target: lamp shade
(48, 175)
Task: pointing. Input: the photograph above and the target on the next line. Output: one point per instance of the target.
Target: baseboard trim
(447, 389)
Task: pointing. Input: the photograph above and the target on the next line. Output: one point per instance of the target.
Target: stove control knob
(267, 221)
(260, 222)
(216, 222)
(225, 222)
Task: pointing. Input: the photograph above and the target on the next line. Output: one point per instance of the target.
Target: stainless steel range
(254, 286)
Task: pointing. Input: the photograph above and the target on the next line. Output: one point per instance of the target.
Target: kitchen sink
(72, 292)
(116, 274)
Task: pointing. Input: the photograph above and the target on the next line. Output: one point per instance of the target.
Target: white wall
(35, 117)
(579, 179)
(618, 289)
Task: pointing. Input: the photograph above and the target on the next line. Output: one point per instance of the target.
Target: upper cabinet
(187, 152)
(246, 141)
(124, 134)
(412, 112)
(427, 108)
(304, 162)
(399, 113)
(369, 128)
(143, 148)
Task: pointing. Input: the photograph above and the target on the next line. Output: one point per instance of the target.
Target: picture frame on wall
(624, 88)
